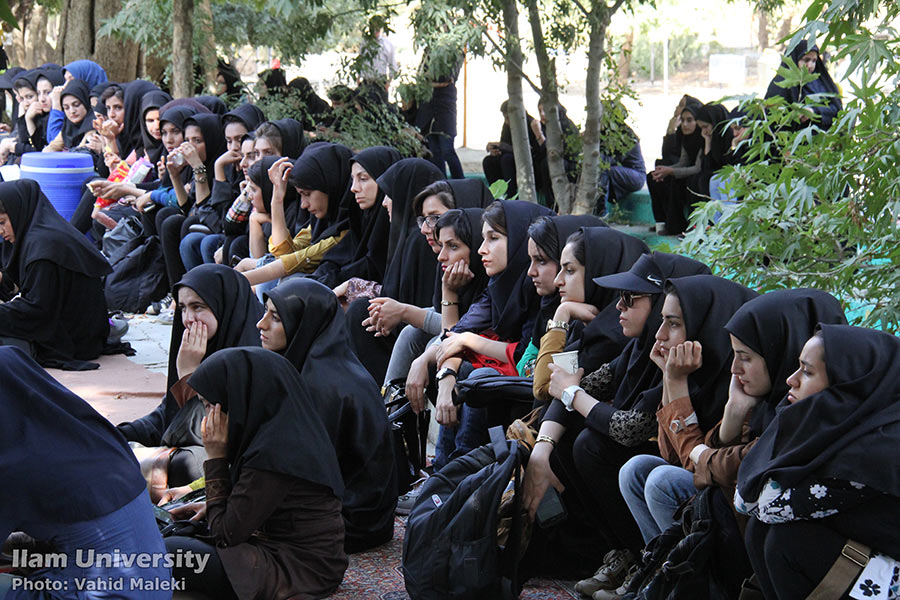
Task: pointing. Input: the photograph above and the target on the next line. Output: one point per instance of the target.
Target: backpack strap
(850, 562)
(499, 444)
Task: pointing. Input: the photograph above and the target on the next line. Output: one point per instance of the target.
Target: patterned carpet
(376, 575)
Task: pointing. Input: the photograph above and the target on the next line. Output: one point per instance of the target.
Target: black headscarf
(62, 462)
(42, 234)
(707, 303)
(229, 297)
(292, 140)
(192, 105)
(565, 225)
(639, 379)
(326, 168)
(514, 301)
(6, 83)
(363, 252)
(475, 288)
(316, 108)
(267, 189)
(849, 431)
(274, 80)
(694, 143)
(248, 114)
(232, 77)
(52, 73)
(213, 137)
(353, 411)
(213, 103)
(130, 137)
(795, 94)
(273, 419)
(411, 265)
(776, 326)
(153, 147)
(470, 193)
(607, 251)
(73, 133)
(177, 112)
(717, 115)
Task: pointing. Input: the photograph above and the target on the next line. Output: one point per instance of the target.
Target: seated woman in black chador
(304, 323)
(216, 309)
(810, 59)
(71, 483)
(823, 481)
(273, 484)
(631, 389)
(60, 309)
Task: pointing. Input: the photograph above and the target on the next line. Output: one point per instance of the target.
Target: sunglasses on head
(628, 298)
(430, 220)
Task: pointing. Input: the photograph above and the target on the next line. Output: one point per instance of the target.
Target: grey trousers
(410, 344)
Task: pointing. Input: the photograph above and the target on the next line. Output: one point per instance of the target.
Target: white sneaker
(406, 501)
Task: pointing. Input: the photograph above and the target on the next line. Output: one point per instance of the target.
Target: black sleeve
(148, 429)
(34, 314)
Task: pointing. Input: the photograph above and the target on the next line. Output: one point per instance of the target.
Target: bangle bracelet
(199, 170)
(545, 438)
(448, 303)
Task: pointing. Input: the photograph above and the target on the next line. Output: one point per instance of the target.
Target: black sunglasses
(628, 298)
(430, 220)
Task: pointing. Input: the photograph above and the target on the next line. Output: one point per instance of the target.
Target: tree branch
(581, 7)
(513, 64)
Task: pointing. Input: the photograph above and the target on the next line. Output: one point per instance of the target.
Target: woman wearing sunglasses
(615, 410)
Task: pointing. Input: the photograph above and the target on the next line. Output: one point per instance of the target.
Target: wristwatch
(551, 324)
(445, 372)
(568, 396)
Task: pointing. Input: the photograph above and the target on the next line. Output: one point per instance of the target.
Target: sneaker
(621, 591)
(408, 500)
(118, 327)
(609, 576)
(166, 316)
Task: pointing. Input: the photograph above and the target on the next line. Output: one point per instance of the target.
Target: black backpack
(701, 557)
(451, 548)
(138, 275)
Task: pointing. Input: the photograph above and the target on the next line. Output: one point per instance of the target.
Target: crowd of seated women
(701, 139)
(365, 269)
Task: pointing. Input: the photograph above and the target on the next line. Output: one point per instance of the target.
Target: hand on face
(192, 349)
(684, 359)
(214, 429)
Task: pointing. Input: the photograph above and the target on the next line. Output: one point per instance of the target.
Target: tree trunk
(562, 190)
(516, 106)
(118, 57)
(623, 67)
(763, 31)
(76, 38)
(587, 196)
(208, 60)
(182, 40)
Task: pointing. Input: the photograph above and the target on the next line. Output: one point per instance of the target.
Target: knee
(668, 485)
(633, 474)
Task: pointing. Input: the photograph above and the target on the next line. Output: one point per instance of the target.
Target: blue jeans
(653, 490)
(615, 184)
(443, 154)
(470, 433)
(197, 248)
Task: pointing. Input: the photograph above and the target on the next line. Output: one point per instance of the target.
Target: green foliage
(6, 14)
(684, 49)
(820, 208)
(378, 125)
(293, 29)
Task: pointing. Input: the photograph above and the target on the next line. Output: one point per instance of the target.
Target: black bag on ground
(505, 397)
(138, 276)
(126, 230)
(451, 548)
(410, 433)
(701, 557)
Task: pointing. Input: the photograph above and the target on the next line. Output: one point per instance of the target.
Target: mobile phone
(162, 515)
(551, 509)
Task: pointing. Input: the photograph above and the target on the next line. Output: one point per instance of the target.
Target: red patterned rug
(376, 575)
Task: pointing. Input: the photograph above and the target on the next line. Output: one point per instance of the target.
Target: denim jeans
(470, 433)
(443, 154)
(197, 248)
(717, 192)
(653, 490)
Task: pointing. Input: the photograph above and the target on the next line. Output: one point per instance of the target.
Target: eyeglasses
(430, 220)
(628, 298)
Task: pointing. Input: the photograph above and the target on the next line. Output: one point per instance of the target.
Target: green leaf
(6, 14)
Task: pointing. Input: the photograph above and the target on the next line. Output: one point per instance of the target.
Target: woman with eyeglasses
(616, 409)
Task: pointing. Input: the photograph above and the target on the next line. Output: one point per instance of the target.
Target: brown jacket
(279, 537)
